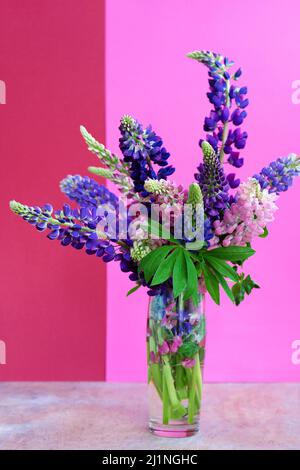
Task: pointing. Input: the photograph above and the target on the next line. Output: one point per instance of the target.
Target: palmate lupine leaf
(172, 262)
(177, 263)
(216, 270)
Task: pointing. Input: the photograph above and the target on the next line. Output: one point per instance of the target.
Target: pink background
(52, 299)
(148, 76)
(53, 305)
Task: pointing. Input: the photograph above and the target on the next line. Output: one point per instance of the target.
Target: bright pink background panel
(148, 76)
(52, 312)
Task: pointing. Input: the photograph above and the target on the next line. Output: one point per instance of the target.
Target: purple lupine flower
(229, 105)
(163, 348)
(142, 149)
(232, 181)
(154, 358)
(188, 363)
(176, 343)
(213, 183)
(278, 176)
(87, 192)
(73, 227)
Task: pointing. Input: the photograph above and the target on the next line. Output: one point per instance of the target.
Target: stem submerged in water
(173, 347)
(177, 407)
(166, 402)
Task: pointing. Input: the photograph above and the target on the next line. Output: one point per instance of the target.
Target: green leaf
(265, 234)
(194, 246)
(232, 253)
(131, 291)
(179, 274)
(249, 284)
(225, 286)
(244, 286)
(222, 267)
(150, 263)
(238, 293)
(192, 279)
(165, 269)
(212, 284)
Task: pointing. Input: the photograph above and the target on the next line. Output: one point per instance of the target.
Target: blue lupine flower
(142, 148)
(208, 231)
(224, 97)
(232, 181)
(71, 227)
(87, 192)
(279, 175)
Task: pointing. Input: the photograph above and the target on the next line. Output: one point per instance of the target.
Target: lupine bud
(156, 186)
(195, 194)
(103, 153)
(105, 172)
(139, 250)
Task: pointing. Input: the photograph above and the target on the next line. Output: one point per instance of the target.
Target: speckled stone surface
(69, 415)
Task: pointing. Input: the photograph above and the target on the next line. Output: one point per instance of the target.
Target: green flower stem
(181, 382)
(192, 406)
(177, 406)
(181, 302)
(53, 221)
(226, 128)
(199, 380)
(148, 362)
(154, 370)
(103, 235)
(156, 376)
(166, 402)
(189, 373)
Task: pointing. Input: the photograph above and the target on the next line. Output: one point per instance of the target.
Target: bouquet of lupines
(176, 243)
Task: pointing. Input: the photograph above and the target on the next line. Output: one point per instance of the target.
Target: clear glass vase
(175, 350)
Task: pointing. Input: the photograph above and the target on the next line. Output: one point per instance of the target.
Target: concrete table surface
(95, 415)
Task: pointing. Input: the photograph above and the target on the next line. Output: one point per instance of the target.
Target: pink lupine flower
(248, 216)
(163, 348)
(154, 358)
(188, 363)
(176, 343)
(169, 320)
